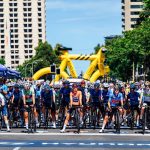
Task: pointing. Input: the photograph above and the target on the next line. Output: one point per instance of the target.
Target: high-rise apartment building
(22, 25)
(130, 13)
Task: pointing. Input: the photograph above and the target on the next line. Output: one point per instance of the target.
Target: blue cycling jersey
(47, 96)
(95, 95)
(115, 99)
(105, 95)
(134, 98)
(65, 92)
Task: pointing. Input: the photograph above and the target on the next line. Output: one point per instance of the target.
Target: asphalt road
(87, 139)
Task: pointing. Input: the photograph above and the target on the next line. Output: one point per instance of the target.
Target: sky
(82, 24)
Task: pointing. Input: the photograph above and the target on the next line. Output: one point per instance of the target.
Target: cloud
(78, 5)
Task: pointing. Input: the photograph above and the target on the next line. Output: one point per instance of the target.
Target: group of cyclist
(40, 96)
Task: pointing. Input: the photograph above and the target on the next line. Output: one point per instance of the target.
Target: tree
(2, 61)
(134, 46)
(145, 14)
(44, 57)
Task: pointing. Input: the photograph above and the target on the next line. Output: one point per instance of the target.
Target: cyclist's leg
(66, 120)
(53, 113)
(5, 115)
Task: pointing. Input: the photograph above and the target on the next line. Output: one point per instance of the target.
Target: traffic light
(53, 68)
(57, 71)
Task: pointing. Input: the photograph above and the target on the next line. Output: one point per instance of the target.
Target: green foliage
(2, 61)
(134, 46)
(44, 57)
(145, 14)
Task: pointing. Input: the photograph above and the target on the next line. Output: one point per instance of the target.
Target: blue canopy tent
(11, 74)
(3, 71)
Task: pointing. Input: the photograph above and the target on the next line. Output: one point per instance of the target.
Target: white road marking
(73, 134)
(50, 143)
(16, 148)
(85, 144)
(75, 143)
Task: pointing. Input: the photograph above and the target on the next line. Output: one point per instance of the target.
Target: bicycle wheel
(132, 120)
(144, 121)
(77, 119)
(11, 119)
(0, 120)
(117, 120)
(46, 119)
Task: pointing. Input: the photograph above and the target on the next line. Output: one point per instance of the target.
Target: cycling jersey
(134, 98)
(95, 95)
(47, 96)
(65, 92)
(84, 94)
(105, 95)
(28, 95)
(75, 98)
(17, 97)
(146, 96)
(115, 99)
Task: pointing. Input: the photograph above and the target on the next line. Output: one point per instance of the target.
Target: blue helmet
(132, 86)
(96, 85)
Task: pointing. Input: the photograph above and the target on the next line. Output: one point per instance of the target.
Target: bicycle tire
(144, 121)
(117, 122)
(132, 120)
(0, 120)
(77, 118)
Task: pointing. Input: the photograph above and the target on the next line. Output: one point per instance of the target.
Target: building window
(26, 57)
(30, 51)
(1, 15)
(1, 9)
(136, 6)
(12, 62)
(135, 13)
(1, 4)
(134, 19)
(2, 52)
(39, 9)
(2, 46)
(136, 0)
(26, 51)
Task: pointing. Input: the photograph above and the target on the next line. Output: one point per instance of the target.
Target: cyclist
(38, 99)
(3, 103)
(96, 99)
(145, 98)
(84, 92)
(105, 98)
(75, 100)
(16, 101)
(134, 99)
(48, 103)
(29, 101)
(115, 100)
(65, 95)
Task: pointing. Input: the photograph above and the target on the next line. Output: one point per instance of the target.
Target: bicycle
(94, 114)
(116, 114)
(145, 119)
(31, 120)
(61, 116)
(76, 117)
(1, 118)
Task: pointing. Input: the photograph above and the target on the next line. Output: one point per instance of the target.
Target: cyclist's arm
(80, 98)
(12, 99)
(71, 99)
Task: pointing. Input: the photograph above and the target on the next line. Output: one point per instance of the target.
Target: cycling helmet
(96, 85)
(82, 82)
(74, 85)
(47, 87)
(147, 83)
(132, 86)
(9, 84)
(66, 82)
(105, 85)
(16, 85)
